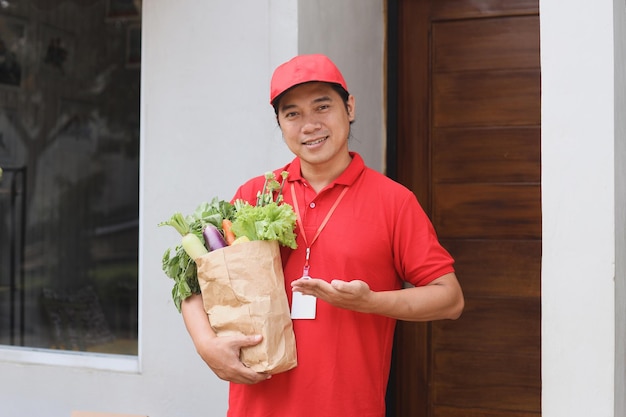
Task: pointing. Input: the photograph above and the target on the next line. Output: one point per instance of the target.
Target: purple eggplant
(213, 237)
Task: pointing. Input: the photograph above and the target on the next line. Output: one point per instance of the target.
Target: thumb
(251, 340)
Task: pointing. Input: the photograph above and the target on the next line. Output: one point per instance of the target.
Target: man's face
(315, 123)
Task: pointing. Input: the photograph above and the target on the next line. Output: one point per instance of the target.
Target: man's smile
(315, 141)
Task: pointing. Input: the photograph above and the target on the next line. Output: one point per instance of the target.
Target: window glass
(69, 192)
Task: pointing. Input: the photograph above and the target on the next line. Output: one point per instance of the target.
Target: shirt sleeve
(419, 256)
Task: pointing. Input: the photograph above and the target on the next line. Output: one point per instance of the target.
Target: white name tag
(303, 306)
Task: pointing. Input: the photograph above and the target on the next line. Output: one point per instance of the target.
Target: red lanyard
(305, 272)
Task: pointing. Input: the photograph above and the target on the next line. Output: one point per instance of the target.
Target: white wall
(206, 127)
(619, 10)
(352, 34)
(580, 208)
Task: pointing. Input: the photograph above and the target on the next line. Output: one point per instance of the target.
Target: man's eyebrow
(323, 98)
(315, 101)
(287, 107)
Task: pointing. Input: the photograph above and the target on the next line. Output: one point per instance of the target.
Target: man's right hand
(221, 353)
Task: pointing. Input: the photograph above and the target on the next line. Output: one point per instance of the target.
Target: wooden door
(467, 141)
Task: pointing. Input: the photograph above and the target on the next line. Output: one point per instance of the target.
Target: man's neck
(319, 176)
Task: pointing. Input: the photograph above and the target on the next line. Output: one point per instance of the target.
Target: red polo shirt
(378, 233)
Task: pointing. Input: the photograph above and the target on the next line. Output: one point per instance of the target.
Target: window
(69, 193)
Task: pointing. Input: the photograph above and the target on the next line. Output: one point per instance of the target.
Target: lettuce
(269, 222)
(269, 219)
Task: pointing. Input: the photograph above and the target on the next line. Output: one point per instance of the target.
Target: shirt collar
(347, 177)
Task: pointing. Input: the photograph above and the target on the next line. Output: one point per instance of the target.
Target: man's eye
(323, 107)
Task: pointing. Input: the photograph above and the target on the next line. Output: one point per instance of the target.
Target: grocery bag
(243, 291)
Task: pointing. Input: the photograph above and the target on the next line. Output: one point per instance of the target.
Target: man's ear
(350, 107)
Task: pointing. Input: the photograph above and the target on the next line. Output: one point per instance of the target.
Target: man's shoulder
(378, 179)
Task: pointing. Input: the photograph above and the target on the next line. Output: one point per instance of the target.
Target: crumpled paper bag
(243, 290)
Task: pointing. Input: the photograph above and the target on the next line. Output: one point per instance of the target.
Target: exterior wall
(206, 127)
(619, 10)
(583, 208)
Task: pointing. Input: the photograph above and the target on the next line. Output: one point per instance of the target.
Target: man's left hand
(352, 295)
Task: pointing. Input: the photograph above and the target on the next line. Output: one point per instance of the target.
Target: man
(360, 236)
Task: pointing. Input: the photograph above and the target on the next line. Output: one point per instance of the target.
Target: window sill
(63, 358)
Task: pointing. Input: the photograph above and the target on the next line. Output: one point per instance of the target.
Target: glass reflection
(69, 196)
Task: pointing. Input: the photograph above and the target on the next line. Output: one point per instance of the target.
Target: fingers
(310, 286)
(221, 354)
(343, 286)
(247, 376)
(243, 374)
(352, 295)
(249, 340)
(319, 287)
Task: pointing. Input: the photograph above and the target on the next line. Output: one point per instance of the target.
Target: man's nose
(311, 123)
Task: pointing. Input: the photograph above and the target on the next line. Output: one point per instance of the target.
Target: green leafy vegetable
(269, 222)
(176, 263)
(269, 219)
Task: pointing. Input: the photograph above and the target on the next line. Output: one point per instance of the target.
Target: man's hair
(339, 89)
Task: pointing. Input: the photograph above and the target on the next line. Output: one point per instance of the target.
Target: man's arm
(440, 299)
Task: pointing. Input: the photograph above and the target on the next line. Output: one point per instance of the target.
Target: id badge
(303, 306)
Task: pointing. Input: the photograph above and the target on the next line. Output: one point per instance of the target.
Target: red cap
(304, 69)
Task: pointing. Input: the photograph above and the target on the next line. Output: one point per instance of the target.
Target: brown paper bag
(243, 290)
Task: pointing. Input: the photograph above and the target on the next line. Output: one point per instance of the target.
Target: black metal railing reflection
(12, 234)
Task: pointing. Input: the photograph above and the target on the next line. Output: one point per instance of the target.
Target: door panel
(499, 154)
(460, 412)
(489, 360)
(513, 268)
(486, 99)
(450, 9)
(485, 44)
(469, 147)
(491, 326)
(468, 384)
(491, 211)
